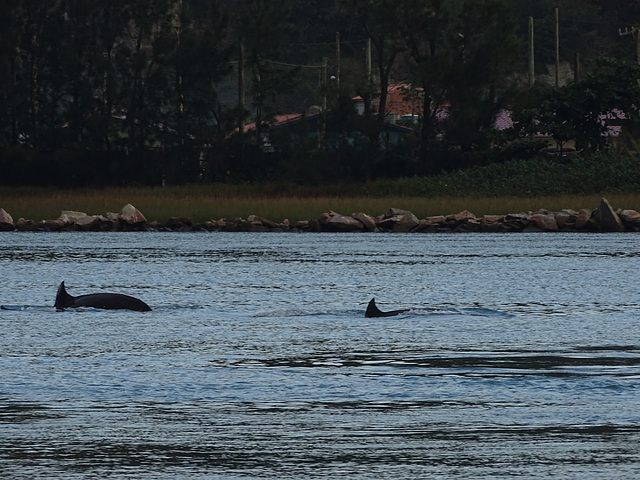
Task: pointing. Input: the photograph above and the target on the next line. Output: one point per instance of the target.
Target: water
(520, 356)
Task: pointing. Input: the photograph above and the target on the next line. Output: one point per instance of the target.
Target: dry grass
(202, 202)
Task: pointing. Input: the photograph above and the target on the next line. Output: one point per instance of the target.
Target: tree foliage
(115, 92)
(580, 110)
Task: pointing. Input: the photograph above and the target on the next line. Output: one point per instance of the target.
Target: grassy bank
(509, 187)
(207, 202)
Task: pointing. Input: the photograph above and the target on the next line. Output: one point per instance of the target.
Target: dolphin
(110, 301)
(373, 311)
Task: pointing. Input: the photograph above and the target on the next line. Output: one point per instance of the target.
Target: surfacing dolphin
(110, 301)
(373, 311)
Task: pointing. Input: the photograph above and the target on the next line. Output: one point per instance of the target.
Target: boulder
(584, 221)
(463, 216)
(131, 215)
(429, 224)
(386, 224)
(178, 224)
(515, 222)
(23, 225)
(254, 226)
(398, 221)
(436, 220)
(392, 212)
(88, 222)
(71, 217)
(491, 223)
(406, 223)
(303, 226)
(543, 221)
(54, 225)
(106, 225)
(308, 226)
(342, 223)
(566, 219)
(630, 219)
(368, 222)
(607, 218)
(334, 222)
(325, 217)
(264, 222)
(464, 221)
(6, 221)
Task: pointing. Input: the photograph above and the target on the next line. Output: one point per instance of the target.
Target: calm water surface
(520, 356)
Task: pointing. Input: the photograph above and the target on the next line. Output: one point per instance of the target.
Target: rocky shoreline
(601, 219)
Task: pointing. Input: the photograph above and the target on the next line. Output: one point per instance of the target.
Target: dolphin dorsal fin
(63, 299)
(372, 309)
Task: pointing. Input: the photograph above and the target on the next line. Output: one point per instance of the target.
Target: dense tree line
(115, 92)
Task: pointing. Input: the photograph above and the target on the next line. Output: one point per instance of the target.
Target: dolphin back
(109, 301)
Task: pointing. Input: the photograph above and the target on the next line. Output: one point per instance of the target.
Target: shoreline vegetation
(202, 203)
(497, 189)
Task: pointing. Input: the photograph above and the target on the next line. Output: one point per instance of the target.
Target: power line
(284, 64)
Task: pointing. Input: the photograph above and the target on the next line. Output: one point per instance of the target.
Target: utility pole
(368, 59)
(636, 34)
(557, 49)
(532, 73)
(322, 120)
(368, 96)
(325, 67)
(338, 61)
(241, 94)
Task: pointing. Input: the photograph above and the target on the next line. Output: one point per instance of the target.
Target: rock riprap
(602, 219)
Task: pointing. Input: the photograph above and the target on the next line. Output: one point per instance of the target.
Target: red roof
(276, 120)
(402, 99)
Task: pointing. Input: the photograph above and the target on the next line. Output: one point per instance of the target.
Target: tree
(578, 111)
(586, 27)
(478, 87)
(194, 55)
(460, 50)
(380, 19)
(263, 26)
(11, 92)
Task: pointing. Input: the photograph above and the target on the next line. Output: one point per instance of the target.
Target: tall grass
(202, 203)
(510, 187)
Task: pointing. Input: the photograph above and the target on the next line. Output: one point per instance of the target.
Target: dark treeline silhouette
(177, 91)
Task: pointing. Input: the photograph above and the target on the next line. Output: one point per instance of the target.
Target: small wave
(295, 312)
(433, 311)
(486, 366)
(467, 311)
(485, 312)
(24, 308)
(608, 348)
(421, 311)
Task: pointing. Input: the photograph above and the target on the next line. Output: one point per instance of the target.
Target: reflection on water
(518, 357)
